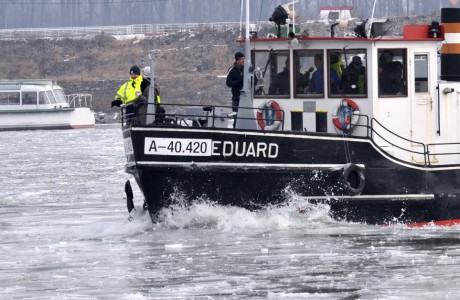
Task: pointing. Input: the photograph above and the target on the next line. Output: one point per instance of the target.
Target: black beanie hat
(135, 70)
(238, 55)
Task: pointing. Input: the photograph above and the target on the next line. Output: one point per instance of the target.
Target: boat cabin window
(29, 98)
(60, 96)
(42, 99)
(392, 72)
(51, 97)
(272, 73)
(309, 75)
(9, 98)
(347, 72)
(421, 73)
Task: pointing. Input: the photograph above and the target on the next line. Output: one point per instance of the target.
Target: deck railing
(220, 116)
(80, 100)
(428, 151)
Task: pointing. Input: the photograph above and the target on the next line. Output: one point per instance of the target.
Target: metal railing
(80, 100)
(187, 115)
(396, 137)
(397, 141)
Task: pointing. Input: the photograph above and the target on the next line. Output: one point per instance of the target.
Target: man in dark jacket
(235, 79)
(354, 77)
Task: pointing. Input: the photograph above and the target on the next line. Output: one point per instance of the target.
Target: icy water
(64, 234)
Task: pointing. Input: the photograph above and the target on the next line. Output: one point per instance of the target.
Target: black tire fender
(353, 179)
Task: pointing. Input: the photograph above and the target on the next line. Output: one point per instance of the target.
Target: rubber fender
(353, 179)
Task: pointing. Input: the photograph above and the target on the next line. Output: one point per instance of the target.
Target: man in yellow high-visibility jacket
(128, 92)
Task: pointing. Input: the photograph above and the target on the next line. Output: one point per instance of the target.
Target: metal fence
(145, 29)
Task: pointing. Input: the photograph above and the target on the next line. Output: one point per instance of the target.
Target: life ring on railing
(353, 179)
(269, 115)
(346, 116)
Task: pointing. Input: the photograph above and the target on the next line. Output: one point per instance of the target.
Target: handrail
(427, 153)
(424, 153)
(80, 100)
(367, 126)
(441, 153)
(210, 115)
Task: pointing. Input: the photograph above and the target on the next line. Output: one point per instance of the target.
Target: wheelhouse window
(60, 96)
(51, 97)
(272, 75)
(29, 98)
(4, 98)
(421, 73)
(9, 98)
(347, 72)
(309, 75)
(392, 72)
(42, 99)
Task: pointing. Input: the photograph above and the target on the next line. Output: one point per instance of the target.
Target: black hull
(313, 166)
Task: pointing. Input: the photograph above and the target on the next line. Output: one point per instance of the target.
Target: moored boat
(42, 104)
(378, 144)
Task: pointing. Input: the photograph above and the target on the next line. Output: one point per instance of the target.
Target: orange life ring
(346, 116)
(274, 119)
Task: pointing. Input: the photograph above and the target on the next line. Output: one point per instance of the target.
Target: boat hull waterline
(253, 169)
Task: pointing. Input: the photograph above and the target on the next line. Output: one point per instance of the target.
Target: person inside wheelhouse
(391, 72)
(316, 85)
(354, 77)
(335, 72)
(280, 81)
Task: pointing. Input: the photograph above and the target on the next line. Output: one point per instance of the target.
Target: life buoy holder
(269, 115)
(353, 179)
(346, 116)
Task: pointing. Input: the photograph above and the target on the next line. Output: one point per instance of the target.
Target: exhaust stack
(450, 50)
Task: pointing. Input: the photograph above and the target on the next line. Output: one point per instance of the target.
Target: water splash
(205, 213)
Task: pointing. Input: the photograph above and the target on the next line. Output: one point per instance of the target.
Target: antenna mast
(372, 19)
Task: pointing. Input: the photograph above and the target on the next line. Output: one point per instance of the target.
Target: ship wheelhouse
(394, 87)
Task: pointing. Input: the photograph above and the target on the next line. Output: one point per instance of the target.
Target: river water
(64, 234)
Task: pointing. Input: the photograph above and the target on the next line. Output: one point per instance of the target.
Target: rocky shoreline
(190, 66)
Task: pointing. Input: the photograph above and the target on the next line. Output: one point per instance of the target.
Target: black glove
(116, 103)
(308, 72)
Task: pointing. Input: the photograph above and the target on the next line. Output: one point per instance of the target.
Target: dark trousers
(235, 104)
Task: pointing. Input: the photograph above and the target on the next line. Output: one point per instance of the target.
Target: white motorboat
(42, 104)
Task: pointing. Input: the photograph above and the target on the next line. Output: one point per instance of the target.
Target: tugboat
(363, 124)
